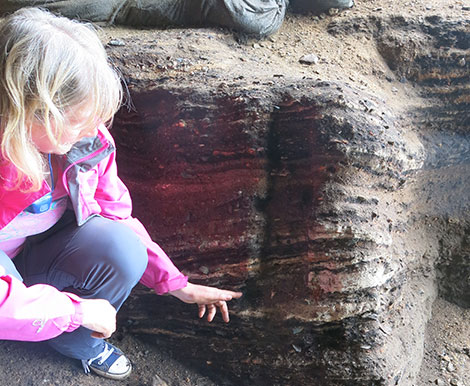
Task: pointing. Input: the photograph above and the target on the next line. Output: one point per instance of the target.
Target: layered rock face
(338, 215)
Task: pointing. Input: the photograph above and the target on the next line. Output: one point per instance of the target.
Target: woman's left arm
(161, 274)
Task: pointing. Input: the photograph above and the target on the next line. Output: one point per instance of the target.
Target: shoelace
(102, 357)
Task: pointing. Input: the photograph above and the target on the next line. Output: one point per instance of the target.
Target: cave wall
(336, 217)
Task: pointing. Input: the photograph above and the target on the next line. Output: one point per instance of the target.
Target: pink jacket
(90, 177)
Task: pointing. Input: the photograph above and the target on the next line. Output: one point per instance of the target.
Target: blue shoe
(110, 363)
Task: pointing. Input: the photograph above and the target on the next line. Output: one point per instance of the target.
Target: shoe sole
(113, 376)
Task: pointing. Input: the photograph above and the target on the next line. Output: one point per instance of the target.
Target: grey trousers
(100, 259)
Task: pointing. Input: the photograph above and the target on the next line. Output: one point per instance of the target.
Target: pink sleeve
(35, 313)
(115, 203)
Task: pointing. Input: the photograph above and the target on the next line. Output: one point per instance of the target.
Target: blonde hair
(48, 66)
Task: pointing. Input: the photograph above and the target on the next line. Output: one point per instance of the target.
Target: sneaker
(110, 363)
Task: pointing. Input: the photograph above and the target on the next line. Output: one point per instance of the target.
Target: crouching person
(70, 252)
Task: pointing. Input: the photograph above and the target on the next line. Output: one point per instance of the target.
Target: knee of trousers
(113, 249)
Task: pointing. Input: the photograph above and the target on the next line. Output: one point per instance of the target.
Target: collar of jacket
(83, 156)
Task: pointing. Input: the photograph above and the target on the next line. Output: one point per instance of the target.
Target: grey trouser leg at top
(102, 259)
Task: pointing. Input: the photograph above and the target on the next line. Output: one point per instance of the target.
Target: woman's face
(75, 130)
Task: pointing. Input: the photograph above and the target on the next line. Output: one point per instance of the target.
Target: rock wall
(336, 215)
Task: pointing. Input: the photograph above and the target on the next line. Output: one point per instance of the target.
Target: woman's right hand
(99, 316)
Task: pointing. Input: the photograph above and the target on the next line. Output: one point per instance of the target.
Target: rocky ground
(447, 347)
(304, 47)
(446, 359)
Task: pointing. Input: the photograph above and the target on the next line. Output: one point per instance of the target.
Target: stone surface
(338, 214)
